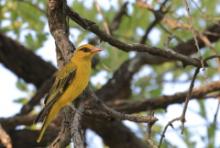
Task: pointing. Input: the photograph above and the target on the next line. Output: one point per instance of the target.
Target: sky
(9, 93)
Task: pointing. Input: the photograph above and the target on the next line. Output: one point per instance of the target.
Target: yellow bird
(70, 81)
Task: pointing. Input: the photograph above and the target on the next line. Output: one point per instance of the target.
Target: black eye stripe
(85, 49)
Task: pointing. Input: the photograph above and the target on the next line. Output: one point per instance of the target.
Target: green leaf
(21, 85)
(21, 100)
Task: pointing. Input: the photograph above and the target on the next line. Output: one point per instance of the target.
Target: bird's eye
(85, 49)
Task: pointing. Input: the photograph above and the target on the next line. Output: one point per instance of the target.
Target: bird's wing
(62, 80)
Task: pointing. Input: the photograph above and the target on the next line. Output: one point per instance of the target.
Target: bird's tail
(48, 119)
(42, 131)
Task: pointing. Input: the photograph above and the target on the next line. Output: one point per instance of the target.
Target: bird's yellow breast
(81, 79)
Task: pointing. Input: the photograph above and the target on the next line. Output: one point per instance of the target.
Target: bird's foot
(72, 106)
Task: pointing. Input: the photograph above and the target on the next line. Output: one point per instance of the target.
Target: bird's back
(78, 84)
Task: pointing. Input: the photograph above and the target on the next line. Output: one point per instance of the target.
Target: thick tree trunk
(34, 70)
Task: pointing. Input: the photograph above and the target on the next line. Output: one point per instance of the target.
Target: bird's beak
(95, 50)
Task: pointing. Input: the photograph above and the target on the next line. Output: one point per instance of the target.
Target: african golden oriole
(69, 83)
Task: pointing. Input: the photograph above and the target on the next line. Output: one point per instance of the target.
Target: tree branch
(5, 138)
(159, 15)
(115, 114)
(23, 62)
(164, 101)
(170, 54)
(182, 117)
(60, 31)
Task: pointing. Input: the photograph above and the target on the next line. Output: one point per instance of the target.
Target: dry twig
(193, 30)
(216, 112)
(158, 14)
(105, 23)
(182, 118)
(5, 138)
(121, 116)
(170, 54)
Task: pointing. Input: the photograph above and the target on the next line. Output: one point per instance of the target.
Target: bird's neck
(84, 63)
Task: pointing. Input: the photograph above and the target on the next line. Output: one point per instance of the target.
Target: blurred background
(164, 24)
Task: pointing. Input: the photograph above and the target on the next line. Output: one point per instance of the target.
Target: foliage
(26, 21)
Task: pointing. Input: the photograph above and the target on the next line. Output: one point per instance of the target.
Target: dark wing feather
(59, 86)
(45, 111)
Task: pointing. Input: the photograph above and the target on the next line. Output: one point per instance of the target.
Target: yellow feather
(59, 96)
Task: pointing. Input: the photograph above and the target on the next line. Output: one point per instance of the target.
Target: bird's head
(86, 51)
